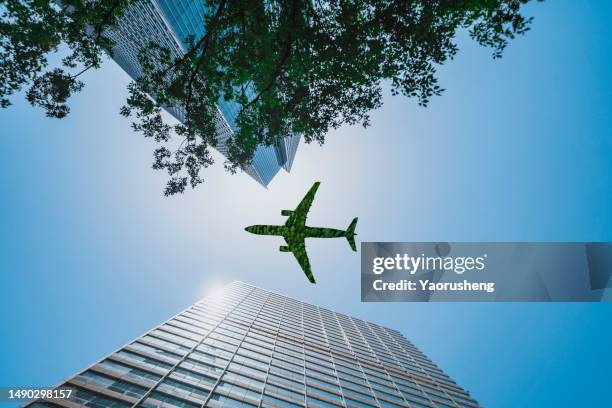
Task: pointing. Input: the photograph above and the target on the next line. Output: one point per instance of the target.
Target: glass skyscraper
(248, 347)
(169, 23)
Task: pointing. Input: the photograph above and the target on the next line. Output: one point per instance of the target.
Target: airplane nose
(249, 229)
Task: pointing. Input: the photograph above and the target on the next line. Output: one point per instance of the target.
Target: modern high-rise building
(170, 23)
(248, 347)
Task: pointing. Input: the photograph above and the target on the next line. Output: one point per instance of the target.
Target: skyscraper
(248, 347)
(169, 23)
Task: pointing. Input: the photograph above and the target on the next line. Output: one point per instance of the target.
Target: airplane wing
(298, 216)
(299, 251)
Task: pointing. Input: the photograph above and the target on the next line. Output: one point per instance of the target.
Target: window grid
(253, 348)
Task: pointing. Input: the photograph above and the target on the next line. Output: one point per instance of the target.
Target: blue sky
(519, 149)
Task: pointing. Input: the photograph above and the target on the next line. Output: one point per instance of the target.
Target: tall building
(169, 23)
(248, 347)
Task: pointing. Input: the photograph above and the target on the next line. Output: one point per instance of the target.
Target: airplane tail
(350, 234)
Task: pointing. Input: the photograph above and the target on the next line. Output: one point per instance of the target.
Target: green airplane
(295, 231)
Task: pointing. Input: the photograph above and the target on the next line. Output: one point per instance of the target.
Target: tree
(293, 66)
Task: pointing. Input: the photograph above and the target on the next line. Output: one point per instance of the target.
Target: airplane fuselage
(306, 232)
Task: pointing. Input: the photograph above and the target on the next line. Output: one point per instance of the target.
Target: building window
(113, 384)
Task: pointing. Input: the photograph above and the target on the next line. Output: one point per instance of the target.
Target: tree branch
(201, 41)
(281, 61)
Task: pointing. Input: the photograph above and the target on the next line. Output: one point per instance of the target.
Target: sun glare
(214, 290)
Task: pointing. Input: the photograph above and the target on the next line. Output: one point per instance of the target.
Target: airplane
(295, 231)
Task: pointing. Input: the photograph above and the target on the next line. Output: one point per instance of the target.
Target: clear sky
(519, 149)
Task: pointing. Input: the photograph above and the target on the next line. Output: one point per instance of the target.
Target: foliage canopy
(293, 66)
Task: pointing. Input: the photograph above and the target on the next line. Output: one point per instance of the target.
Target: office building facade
(169, 23)
(248, 347)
